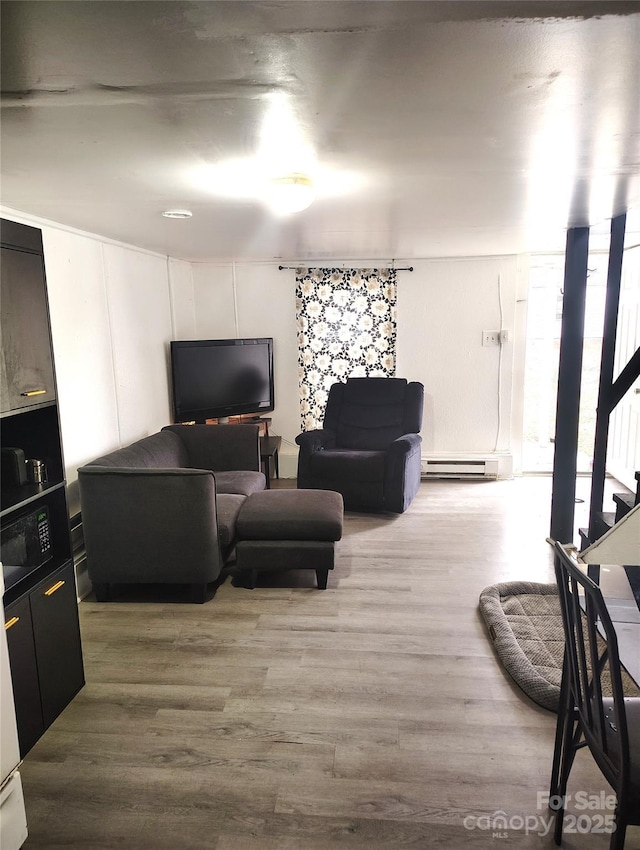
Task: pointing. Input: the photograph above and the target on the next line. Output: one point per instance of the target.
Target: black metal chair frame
(585, 716)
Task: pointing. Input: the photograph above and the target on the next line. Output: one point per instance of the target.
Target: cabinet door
(24, 673)
(56, 632)
(26, 369)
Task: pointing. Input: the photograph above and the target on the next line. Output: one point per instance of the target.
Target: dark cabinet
(24, 673)
(44, 652)
(41, 610)
(26, 367)
(56, 636)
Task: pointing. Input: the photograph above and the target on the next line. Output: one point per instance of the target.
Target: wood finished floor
(369, 715)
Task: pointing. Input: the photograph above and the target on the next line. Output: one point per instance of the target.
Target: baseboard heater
(463, 468)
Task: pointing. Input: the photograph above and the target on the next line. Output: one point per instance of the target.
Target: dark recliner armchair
(369, 446)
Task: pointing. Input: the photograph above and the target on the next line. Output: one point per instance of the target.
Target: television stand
(249, 419)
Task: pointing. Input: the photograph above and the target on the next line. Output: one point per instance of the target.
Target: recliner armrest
(320, 438)
(402, 472)
(311, 442)
(404, 445)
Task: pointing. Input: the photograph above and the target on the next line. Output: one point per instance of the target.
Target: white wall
(140, 319)
(183, 315)
(214, 301)
(443, 307)
(81, 333)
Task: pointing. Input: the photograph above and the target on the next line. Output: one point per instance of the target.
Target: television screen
(216, 378)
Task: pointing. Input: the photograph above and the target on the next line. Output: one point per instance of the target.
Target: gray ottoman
(289, 530)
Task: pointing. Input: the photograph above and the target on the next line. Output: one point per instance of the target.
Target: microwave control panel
(44, 532)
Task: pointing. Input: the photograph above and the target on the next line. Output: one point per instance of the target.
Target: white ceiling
(439, 128)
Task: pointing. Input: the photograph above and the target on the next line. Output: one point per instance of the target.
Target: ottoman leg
(251, 577)
(321, 576)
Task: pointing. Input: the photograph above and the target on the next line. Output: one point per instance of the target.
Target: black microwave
(26, 541)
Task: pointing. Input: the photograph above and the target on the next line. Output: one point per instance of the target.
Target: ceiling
(431, 128)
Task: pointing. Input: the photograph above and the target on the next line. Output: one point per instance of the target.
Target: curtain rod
(393, 268)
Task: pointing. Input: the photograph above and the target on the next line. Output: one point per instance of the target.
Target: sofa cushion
(230, 447)
(159, 451)
(291, 515)
(242, 482)
(227, 509)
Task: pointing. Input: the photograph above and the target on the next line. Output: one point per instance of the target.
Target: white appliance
(13, 818)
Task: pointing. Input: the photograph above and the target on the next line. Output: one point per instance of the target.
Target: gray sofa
(164, 509)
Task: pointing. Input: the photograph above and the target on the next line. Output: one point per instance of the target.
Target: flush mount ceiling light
(177, 213)
(279, 174)
(290, 193)
(252, 180)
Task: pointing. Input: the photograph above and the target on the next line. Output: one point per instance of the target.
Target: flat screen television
(217, 378)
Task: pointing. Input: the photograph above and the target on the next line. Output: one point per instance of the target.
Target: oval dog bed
(525, 624)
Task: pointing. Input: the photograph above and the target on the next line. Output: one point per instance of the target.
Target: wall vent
(463, 468)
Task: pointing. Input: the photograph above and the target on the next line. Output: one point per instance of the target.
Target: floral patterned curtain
(346, 322)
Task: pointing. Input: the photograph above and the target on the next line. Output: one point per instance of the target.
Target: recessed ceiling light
(177, 213)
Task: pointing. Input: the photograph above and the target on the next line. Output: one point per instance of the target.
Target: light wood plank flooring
(370, 715)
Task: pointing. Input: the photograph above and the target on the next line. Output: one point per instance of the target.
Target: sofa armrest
(149, 525)
(220, 448)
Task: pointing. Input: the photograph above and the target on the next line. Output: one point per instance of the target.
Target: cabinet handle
(53, 588)
(31, 393)
(10, 623)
